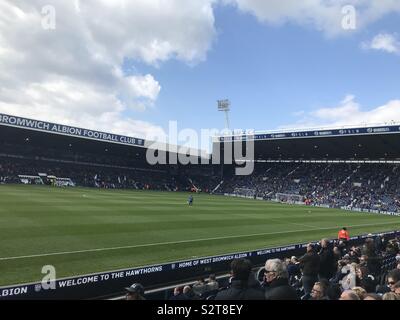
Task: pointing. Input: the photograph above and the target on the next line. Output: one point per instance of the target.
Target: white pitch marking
(183, 241)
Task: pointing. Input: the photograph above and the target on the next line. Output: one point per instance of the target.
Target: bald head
(324, 243)
(187, 289)
(349, 295)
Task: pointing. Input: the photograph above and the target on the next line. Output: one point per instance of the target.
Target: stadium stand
(359, 172)
(276, 282)
(363, 186)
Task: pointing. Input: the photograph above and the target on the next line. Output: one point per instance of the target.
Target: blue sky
(272, 74)
(130, 67)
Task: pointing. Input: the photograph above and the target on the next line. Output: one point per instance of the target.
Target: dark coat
(293, 270)
(240, 290)
(310, 263)
(327, 263)
(279, 289)
(368, 282)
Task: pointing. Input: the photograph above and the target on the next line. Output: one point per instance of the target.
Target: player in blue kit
(190, 200)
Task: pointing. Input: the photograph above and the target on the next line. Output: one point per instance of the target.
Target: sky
(130, 67)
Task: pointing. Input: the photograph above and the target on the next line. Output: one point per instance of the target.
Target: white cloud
(384, 42)
(74, 74)
(349, 112)
(324, 15)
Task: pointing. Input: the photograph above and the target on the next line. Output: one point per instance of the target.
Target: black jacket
(327, 262)
(279, 289)
(240, 290)
(310, 264)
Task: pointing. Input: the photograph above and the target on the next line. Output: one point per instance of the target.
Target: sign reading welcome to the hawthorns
(67, 130)
(108, 283)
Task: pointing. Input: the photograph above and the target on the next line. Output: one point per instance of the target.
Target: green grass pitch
(82, 231)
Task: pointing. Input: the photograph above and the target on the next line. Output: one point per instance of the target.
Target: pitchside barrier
(110, 284)
(347, 208)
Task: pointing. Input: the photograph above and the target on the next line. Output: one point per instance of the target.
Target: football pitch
(82, 231)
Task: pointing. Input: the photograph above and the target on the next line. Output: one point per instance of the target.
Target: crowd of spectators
(104, 176)
(363, 186)
(329, 270)
(351, 185)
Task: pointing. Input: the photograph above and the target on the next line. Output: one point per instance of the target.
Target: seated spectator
(349, 281)
(353, 257)
(382, 289)
(178, 294)
(212, 283)
(372, 296)
(361, 292)
(333, 292)
(365, 280)
(391, 296)
(364, 260)
(349, 295)
(393, 278)
(242, 287)
(318, 292)
(396, 287)
(277, 284)
(293, 269)
(135, 292)
(342, 271)
(188, 293)
(200, 287)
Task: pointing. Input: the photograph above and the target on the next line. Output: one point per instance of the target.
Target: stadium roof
(76, 134)
(370, 143)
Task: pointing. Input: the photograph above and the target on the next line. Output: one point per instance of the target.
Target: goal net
(289, 198)
(245, 192)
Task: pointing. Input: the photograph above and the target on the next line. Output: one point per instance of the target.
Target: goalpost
(289, 198)
(245, 192)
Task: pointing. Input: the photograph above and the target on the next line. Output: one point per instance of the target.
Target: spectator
(293, 269)
(353, 256)
(373, 258)
(349, 281)
(327, 260)
(135, 292)
(178, 294)
(212, 283)
(391, 296)
(337, 254)
(188, 293)
(361, 292)
(277, 283)
(309, 263)
(393, 278)
(349, 295)
(242, 286)
(200, 287)
(396, 287)
(364, 260)
(333, 292)
(319, 291)
(365, 280)
(373, 296)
